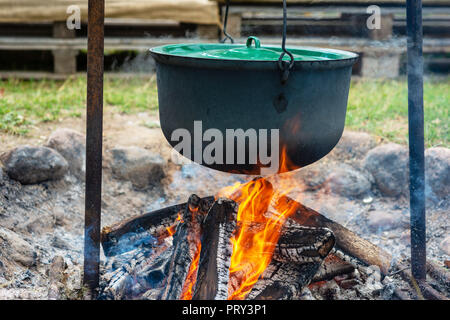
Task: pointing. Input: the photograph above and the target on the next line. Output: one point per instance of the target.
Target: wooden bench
(318, 23)
(45, 21)
(381, 50)
(378, 59)
(120, 34)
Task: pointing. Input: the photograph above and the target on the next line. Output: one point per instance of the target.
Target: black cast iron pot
(238, 87)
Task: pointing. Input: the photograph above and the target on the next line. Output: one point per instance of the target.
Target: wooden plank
(37, 75)
(141, 22)
(65, 61)
(207, 31)
(187, 11)
(60, 30)
(320, 11)
(31, 43)
(234, 27)
(345, 43)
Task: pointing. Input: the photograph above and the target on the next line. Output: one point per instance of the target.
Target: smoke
(141, 63)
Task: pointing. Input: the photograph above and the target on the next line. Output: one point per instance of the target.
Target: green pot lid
(252, 50)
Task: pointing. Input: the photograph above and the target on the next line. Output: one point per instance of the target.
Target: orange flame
(171, 229)
(258, 230)
(286, 164)
(258, 233)
(191, 278)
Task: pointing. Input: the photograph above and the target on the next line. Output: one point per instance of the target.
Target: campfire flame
(191, 278)
(259, 227)
(259, 230)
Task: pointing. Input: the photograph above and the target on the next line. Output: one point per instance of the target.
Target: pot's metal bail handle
(285, 66)
(225, 20)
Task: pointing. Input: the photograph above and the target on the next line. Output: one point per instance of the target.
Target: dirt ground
(50, 216)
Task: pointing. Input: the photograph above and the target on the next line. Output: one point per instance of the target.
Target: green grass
(381, 108)
(26, 103)
(377, 107)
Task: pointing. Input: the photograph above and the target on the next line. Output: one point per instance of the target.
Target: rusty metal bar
(94, 132)
(416, 138)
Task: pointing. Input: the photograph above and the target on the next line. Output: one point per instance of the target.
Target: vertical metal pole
(94, 131)
(416, 138)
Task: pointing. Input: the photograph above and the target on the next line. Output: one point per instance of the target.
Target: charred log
(153, 224)
(297, 257)
(423, 289)
(213, 269)
(122, 281)
(346, 240)
(302, 244)
(439, 274)
(284, 281)
(186, 243)
(331, 267)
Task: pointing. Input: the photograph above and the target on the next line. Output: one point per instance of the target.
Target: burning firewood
(297, 258)
(274, 236)
(302, 244)
(202, 265)
(155, 224)
(284, 281)
(186, 246)
(346, 240)
(332, 266)
(213, 269)
(124, 282)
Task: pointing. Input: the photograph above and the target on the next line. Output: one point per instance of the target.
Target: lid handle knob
(251, 39)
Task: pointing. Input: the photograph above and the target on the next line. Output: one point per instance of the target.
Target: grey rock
(16, 248)
(314, 176)
(437, 171)
(445, 245)
(388, 165)
(72, 146)
(59, 243)
(29, 165)
(347, 181)
(353, 145)
(383, 221)
(141, 167)
(38, 224)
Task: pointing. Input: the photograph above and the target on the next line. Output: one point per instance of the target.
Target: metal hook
(284, 67)
(227, 36)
